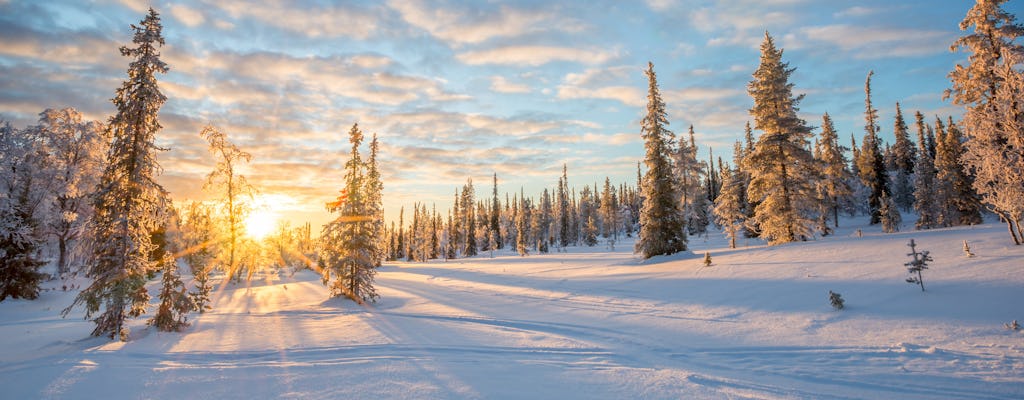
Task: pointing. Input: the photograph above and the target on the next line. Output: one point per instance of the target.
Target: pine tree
(175, 302)
(904, 157)
(870, 163)
(965, 199)
(662, 227)
(232, 189)
(729, 207)
(469, 219)
(495, 216)
(890, 215)
(690, 175)
(375, 201)
(609, 211)
(780, 165)
(128, 201)
(564, 236)
(19, 198)
(924, 181)
(834, 184)
(523, 227)
(347, 246)
(199, 237)
(990, 86)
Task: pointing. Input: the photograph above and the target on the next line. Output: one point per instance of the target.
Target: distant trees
(20, 196)
(129, 203)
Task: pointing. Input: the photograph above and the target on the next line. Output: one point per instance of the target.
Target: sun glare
(260, 223)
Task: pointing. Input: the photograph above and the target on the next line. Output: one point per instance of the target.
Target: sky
(459, 90)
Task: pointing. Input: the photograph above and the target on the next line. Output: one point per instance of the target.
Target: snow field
(584, 324)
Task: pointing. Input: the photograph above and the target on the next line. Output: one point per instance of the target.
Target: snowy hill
(590, 323)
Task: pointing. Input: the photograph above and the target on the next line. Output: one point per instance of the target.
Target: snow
(587, 324)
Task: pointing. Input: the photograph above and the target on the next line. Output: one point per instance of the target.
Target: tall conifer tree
(662, 225)
(780, 165)
(129, 204)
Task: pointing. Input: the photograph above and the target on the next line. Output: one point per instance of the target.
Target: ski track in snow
(584, 324)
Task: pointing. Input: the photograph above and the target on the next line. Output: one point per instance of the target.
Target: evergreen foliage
(834, 185)
(175, 302)
(919, 262)
(347, 250)
(662, 224)
(870, 163)
(890, 215)
(781, 167)
(128, 203)
(904, 159)
(836, 300)
(924, 181)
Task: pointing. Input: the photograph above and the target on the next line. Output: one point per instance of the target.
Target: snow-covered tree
(870, 162)
(128, 202)
(991, 86)
(890, 215)
(175, 302)
(904, 157)
(375, 200)
(690, 174)
(834, 186)
(662, 227)
(729, 206)
(20, 163)
(347, 254)
(609, 211)
(564, 217)
(781, 167)
(76, 151)
(523, 227)
(924, 181)
(199, 240)
(469, 248)
(234, 193)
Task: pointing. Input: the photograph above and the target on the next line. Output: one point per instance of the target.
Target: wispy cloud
(501, 85)
(535, 55)
(466, 25)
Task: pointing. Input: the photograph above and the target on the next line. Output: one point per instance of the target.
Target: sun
(260, 223)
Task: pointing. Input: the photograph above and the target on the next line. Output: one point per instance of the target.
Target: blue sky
(459, 90)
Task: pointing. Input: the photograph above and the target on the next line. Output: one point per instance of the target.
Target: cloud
(856, 11)
(628, 95)
(188, 16)
(605, 83)
(864, 42)
(472, 26)
(312, 20)
(532, 56)
(501, 85)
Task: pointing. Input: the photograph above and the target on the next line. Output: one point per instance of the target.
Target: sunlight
(261, 223)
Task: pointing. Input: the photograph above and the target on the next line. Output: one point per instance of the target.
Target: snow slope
(586, 324)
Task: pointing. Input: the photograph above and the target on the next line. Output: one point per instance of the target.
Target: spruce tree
(904, 157)
(834, 185)
(523, 227)
(347, 245)
(375, 201)
(496, 216)
(990, 86)
(128, 202)
(662, 227)
(870, 163)
(890, 215)
(729, 207)
(780, 165)
(924, 181)
(175, 302)
(469, 249)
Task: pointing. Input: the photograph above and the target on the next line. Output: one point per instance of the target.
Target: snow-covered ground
(587, 324)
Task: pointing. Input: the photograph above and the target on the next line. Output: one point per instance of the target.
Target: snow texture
(584, 324)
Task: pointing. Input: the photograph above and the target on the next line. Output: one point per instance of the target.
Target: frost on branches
(990, 86)
(780, 166)
(662, 224)
(19, 198)
(349, 253)
(128, 203)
